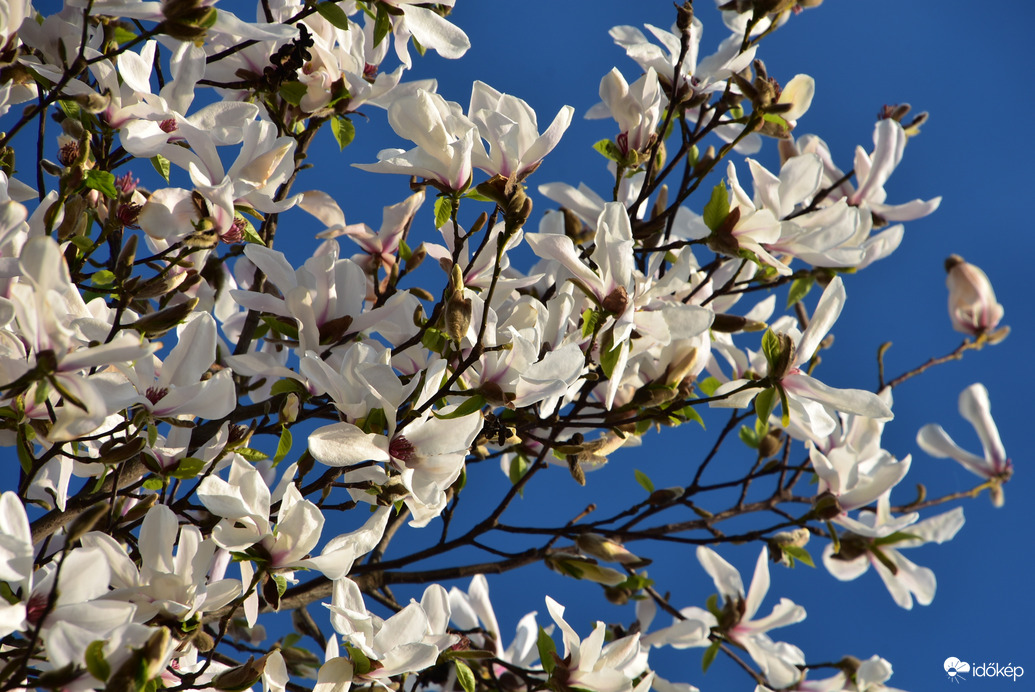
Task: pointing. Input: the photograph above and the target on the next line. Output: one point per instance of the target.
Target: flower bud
(827, 506)
(597, 546)
(972, 305)
(458, 308)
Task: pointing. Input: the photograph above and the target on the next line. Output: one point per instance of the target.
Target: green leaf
(382, 25)
(708, 386)
(518, 466)
(609, 357)
(709, 656)
(749, 437)
(103, 182)
(281, 582)
(103, 278)
(609, 150)
(718, 207)
(473, 403)
(443, 210)
(333, 14)
(799, 289)
(690, 414)
(189, 467)
(161, 165)
(464, 676)
(896, 537)
(476, 196)
(591, 320)
(546, 651)
(83, 242)
(799, 554)
(281, 326)
(70, 108)
(250, 236)
(644, 480)
(122, 35)
(252, 454)
(154, 484)
(771, 348)
(283, 447)
(343, 129)
(360, 662)
(405, 253)
(95, 662)
(785, 418)
(765, 402)
(288, 386)
(292, 92)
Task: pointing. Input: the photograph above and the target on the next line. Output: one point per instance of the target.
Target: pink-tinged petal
(800, 177)
(726, 577)
(889, 143)
(759, 586)
(976, 408)
(936, 442)
(882, 479)
(550, 138)
(827, 311)
(560, 248)
(857, 401)
(157, 538)
(341, 552)
(568, 635)
(738, 400)
(909, 211)
(343, 444)
(193, 354)
(937, 529)
(323, 207)
(784, 613)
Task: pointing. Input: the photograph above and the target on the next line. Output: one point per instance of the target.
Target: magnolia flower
(428, 454)
(473, 610)
(409, 641)
(426, 27)
(809, 400)
(588, 664)
(15, 559)
(509, 125)
(636, 107)
(778, 660)
(994, 467)
(972, 305)
(876, 539)
(444, 137)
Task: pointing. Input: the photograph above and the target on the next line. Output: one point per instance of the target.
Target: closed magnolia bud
(827, 506)
(972, 305)
(597, 546)
(158, 323)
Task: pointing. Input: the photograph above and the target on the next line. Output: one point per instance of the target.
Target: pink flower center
(402, 449)
(168, 125)
(155, 394)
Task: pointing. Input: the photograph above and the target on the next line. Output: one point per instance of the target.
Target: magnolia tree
(188, 413)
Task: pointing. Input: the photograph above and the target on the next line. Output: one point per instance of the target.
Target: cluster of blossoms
(152, 340)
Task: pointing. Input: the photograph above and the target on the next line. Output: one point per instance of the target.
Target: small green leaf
(609, 356)
(283, 446)
(288, 386)
(161, 165)
(360, 662)
(83, 242)
(609, 150)
(292, 92)
(476, 196)
(718, 207)
(250, 236)
(405, 253)
(252, 454)
(122, 35)
(281, 326)
(518, 466)
(771, 348)
(785, 418)
(644, 480)
(103, 278)
(709, 656)
(70, 108)
(690, 414)
(473, 403)
(333, 14)
(103, 182)
(765, 402)
(749, 437)
(591, 320)
(343, 129)
(382, 25)
(154, 484)
(799, 554)
(443, 210)
(799, 289)
(546, 651)
(281, 582)
(95, 661)
(189, 467)
(708, 386)
(464, 676)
